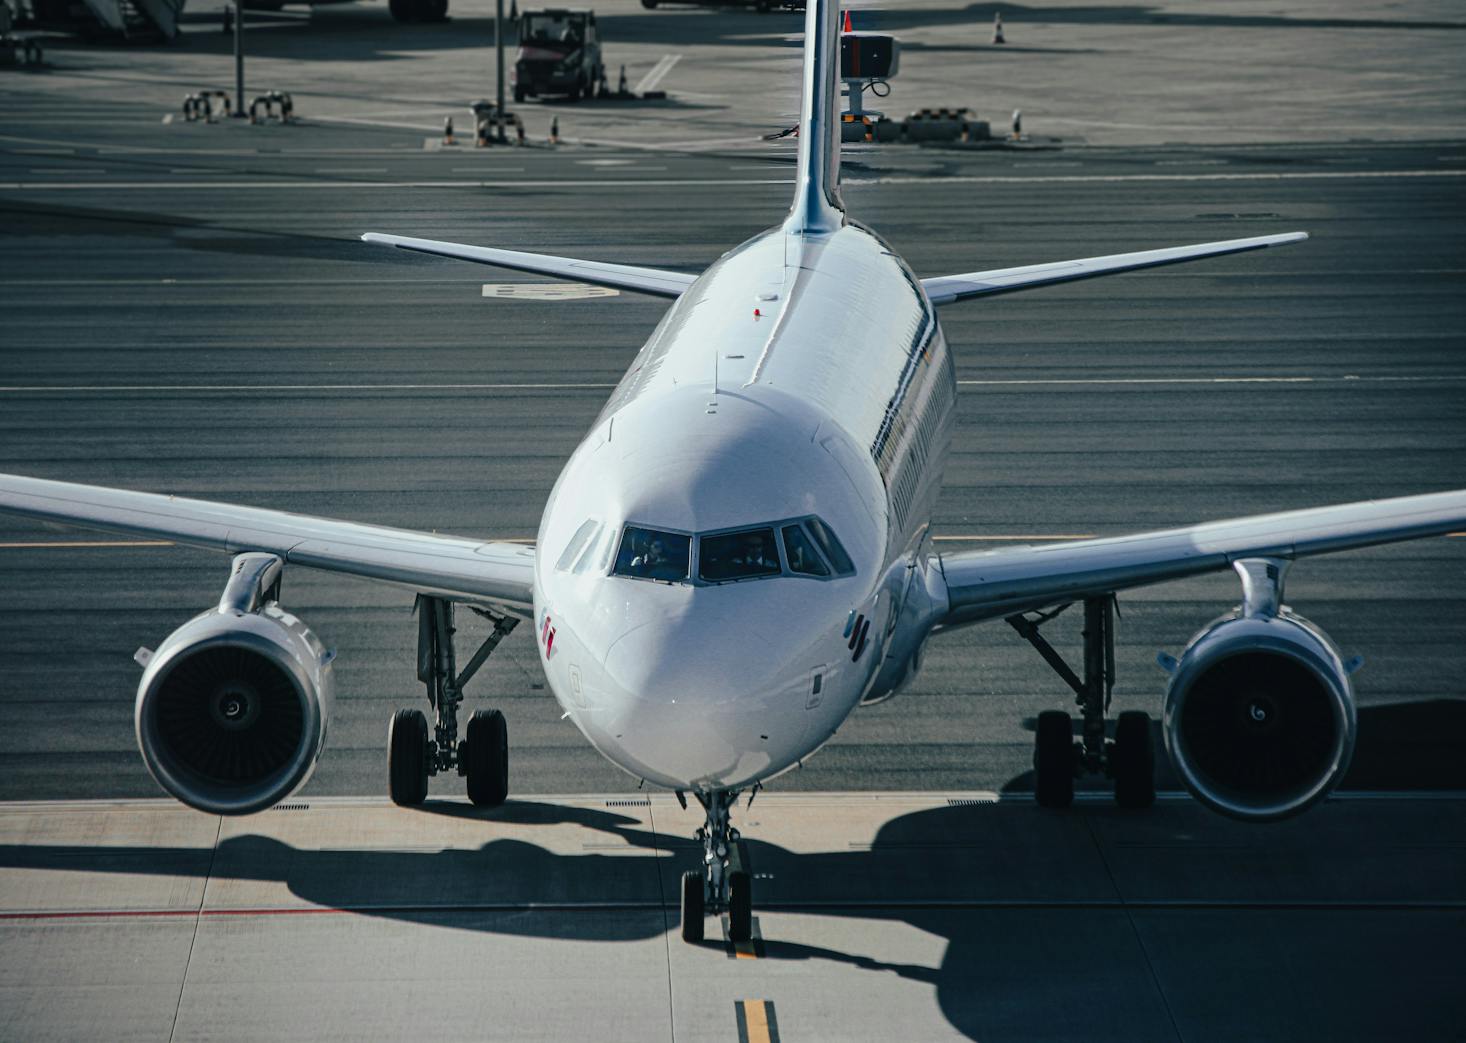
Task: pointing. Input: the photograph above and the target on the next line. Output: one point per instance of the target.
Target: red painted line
(124, 914)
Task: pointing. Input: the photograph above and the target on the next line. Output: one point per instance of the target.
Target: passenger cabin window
(651, 554)
(801, 555)
(738, 555)
(831, 546)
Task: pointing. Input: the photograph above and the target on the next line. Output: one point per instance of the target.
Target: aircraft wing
(946, 289)
(500, 575)
(987, 584)
(653, 281)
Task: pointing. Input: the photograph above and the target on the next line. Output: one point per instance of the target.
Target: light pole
(499, 47)
(239, 57)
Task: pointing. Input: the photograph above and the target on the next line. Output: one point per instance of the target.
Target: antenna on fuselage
(818, 208)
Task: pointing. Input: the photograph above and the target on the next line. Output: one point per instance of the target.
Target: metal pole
(499, 47)
(239, 57)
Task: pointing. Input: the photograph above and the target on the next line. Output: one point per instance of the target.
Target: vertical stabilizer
(817, 205)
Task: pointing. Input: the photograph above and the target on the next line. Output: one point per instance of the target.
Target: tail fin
(817, 207)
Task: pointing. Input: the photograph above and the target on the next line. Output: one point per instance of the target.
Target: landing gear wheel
(1132, 761)
(486, 758)
(407, 758)
(1053, 760)
(518, 95)
(692, 907)
(740, 906)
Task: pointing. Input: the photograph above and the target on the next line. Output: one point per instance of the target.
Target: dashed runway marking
(756, 1021)
(552, 291)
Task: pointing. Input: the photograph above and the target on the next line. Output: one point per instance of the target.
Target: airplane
(739, 554)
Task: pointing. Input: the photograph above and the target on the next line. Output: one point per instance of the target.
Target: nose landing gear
(723, 883)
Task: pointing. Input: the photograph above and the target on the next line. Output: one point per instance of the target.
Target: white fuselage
(800, 377)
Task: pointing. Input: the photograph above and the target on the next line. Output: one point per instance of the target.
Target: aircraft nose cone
(707, 701)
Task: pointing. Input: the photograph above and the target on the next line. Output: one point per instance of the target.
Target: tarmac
(187, 308)
(891, 916)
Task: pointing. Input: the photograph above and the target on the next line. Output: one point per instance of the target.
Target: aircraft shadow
(1028, 904)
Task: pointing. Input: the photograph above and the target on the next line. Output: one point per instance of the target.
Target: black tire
(575, 92)
(403, 10)
(1053, 760)
(486, 758)
(407, 758)
(437, 11)
(740, 906)
(1132, 761)
(692, 907)
(518, 95)
(650, 5)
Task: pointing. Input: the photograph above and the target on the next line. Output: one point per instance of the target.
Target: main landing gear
(1128, 759)
(413, 756)
(723, 883)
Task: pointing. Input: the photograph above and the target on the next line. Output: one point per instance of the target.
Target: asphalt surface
(190, 313)
(187, 308)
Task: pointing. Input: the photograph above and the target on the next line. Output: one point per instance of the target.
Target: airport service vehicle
(559, 53)
(739, 554)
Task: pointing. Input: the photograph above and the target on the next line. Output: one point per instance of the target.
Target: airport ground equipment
(201, 105)
(407, 11)
(140, 20)
(559, 53)
(272, 104)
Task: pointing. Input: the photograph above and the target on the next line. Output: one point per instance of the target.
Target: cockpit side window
(576, 547)
(799, 551)
(737, 555)
(831, 546)
(652, 554)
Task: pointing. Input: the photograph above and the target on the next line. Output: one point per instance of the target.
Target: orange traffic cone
(847, 28)
(998, 28)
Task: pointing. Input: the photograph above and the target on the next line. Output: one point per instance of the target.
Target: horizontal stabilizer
(653, 281)
(945, 289)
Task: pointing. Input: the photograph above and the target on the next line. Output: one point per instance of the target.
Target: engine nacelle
(232, 709)
(1260, 719)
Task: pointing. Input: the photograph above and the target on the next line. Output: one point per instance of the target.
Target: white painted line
(1300, 175)
(111, 388)
(550, 291)
(658, 74)
(327, 183)
(1348, 379)
(72, 544)
(486, 170)
(274, 186)
(20, 389)
(351, 170)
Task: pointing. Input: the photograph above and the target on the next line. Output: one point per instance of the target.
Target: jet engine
(1259, 715)
(232, 708)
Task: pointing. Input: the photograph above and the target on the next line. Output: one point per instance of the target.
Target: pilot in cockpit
(647, 561)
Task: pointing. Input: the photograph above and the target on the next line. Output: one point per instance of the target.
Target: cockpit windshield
(737, 555)
(795, 547)
(652, 554)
